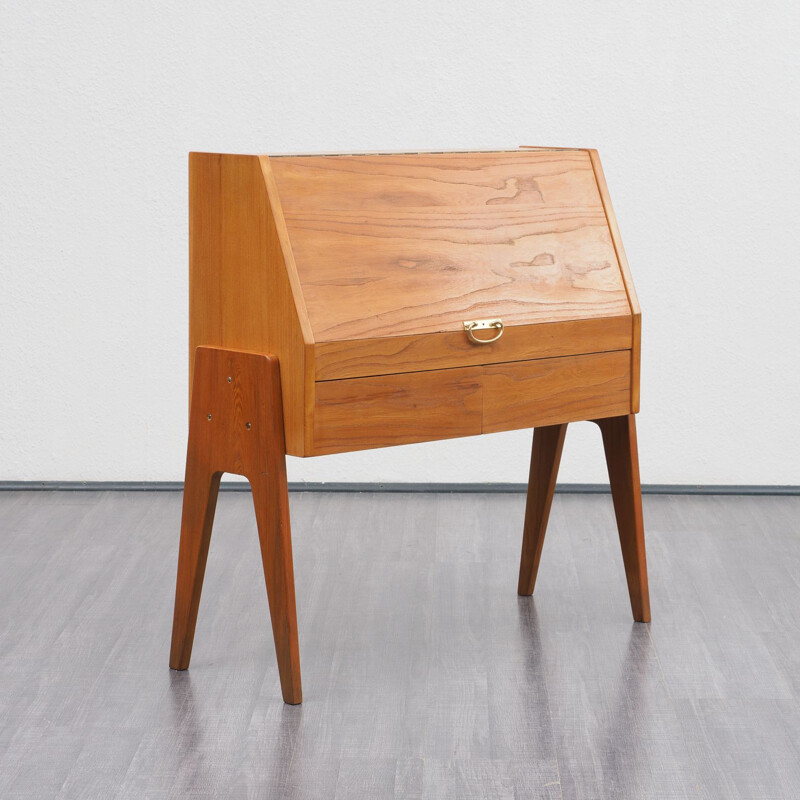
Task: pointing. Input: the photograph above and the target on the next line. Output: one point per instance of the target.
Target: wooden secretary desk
(354, 301)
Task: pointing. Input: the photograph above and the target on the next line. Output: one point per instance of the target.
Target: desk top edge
(357, 153)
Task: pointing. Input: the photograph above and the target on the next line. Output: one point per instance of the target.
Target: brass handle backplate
(470, 326)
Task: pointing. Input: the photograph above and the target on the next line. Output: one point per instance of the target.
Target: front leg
(622, 457)
(548, 442)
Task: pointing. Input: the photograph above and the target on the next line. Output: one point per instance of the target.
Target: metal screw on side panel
(209, 417)
(248, 425)
(229, 378)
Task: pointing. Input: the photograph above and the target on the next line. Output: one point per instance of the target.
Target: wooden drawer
(379, 411)
(352, 358)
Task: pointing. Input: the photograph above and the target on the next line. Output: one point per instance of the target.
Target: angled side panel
(240, 296)
(281, 254)
(636, 348)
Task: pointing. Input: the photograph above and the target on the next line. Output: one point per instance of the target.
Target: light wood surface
(242, 293)
(416, 244)
(236, 426)
(351, 267)
(356, 357)
(547, 391)
(385, 410)
(397, 409)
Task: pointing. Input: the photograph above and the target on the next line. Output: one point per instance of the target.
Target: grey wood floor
(424, 675)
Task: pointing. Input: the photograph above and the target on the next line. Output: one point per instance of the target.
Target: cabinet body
(358, 272)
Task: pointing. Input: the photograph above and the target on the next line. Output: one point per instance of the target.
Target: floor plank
(424, 674)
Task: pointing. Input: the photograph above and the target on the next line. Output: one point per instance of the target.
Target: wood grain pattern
(357, 357)
(554, 390)
(367, 183)
(415, 244)
(379, 411)
(280, 261)
(241, 292)
(236, 425)
(396, 409)
(348, 267)
(548, 443)
(633, 300)
(622, 458)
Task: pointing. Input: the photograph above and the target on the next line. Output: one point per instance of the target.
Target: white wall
(693, 106)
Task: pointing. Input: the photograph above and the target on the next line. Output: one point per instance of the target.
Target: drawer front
(353, 358)
(549, 391)
(385, 410)
(396, 409)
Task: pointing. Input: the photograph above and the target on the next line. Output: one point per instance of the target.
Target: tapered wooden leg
(236, 425)
(199, 502)
(622, 457)
(271, 498)
(548, 442)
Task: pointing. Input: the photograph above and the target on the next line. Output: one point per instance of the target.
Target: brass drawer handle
(482, 325)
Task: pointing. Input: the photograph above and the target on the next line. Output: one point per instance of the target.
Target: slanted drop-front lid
(398, 245)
